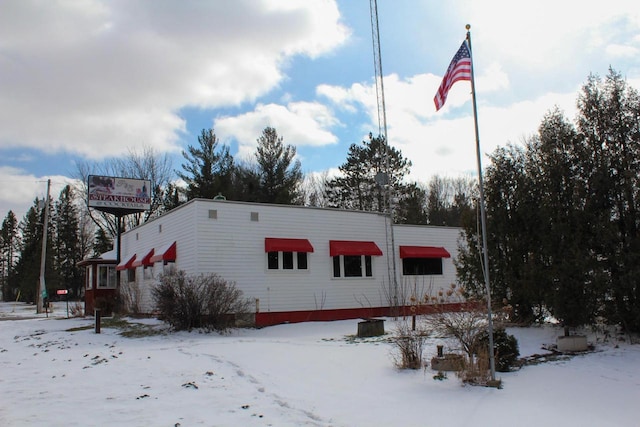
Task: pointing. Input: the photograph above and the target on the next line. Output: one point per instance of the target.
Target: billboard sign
(112, 193)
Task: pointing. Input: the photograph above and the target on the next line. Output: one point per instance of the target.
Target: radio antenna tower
(384, 179)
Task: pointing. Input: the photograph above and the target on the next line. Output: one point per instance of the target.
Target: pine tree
(9, 247)
(365, 177)
(28, 264)
(279, 173)
(608, 123)
(411, 206)
(66, 242)
(102, 243)
(209, 169)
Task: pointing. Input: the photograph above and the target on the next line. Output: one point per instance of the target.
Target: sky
(90, 80)
(59, 372)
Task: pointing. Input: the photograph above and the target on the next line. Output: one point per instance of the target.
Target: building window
(284, 260)
(90, 277)
(106, 277)
(422, 266)
(272, 260)
(422, 260)
(168, 267)
(287, 260)
(131, 275)
(302, 260)
(352, 266)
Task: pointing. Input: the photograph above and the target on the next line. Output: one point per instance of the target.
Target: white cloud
(443, 143)
(19, 190)
(547, 33)
(622, 51)
(97, 77)
(299, 123)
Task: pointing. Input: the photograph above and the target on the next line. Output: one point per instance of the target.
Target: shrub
(409, 344)
(107, 305)
(131, 296)
(465, 326)
(204, 301)
(505, 345)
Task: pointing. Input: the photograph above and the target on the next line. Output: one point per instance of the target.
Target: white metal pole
(483, 217)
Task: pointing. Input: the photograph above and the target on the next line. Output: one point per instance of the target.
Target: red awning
(274, 244)
(146, 260)
(347, 247)
(423, 252)
(166, 254)
(127, 265)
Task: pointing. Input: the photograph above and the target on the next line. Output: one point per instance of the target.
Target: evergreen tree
(209, 169)
(411, 206)
(279, 174)
(28, 264)
(9, 247)
(102, 243)
(608, 123)
(67, 242)
(562, 214)
(564, 255)
(510, 206)
(438, 202)
(171, 197)
(364, 177)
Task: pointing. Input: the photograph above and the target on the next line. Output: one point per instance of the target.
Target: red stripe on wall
(279, 317)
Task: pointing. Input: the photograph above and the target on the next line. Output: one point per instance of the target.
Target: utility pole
(42, 289)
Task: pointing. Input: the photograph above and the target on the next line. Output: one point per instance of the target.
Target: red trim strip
(276, 318)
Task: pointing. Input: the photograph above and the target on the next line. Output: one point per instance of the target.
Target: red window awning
(126, 265)
(166, 254)
(145, 261)
(274, 244)
(348, 247)
(423, 252)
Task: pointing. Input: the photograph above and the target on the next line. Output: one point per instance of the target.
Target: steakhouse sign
(118, 195)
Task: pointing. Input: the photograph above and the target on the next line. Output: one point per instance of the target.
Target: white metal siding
(232, 246)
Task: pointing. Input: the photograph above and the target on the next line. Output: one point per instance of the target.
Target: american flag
(459, 69)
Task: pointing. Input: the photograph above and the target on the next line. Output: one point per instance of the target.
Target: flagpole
(483, 214)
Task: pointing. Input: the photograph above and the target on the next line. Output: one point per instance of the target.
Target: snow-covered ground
(58, 372)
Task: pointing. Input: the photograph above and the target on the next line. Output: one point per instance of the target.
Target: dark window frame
(422, 267)
(350, 266)
(296, 261)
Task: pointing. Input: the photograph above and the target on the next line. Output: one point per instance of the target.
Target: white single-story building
(295, 263)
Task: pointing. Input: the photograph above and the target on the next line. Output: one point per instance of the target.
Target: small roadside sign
(62, 291)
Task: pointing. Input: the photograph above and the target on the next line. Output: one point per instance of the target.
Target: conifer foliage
(562, 212)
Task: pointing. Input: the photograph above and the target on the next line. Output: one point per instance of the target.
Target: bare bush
(203, 301)
(76, 309)
(476, 370)
(408, 346)
(131, 295)
(465, 326)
